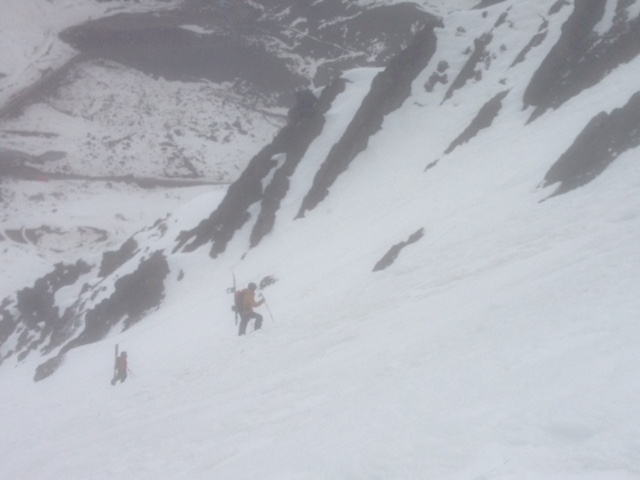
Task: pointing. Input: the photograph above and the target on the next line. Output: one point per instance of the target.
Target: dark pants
(244, 321)
(120, 375)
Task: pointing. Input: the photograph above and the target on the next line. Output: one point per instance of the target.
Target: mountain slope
(499, 343)
(236, 213)
(151, 99)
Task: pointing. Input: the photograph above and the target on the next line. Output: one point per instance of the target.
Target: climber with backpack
(120, 368)
(245, 302)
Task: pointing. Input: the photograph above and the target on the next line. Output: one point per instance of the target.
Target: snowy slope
(502, 344)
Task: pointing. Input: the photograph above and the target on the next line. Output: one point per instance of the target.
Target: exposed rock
(309, 125)
(535, 41)
(134, 296)
(487, 3)
(556, 7)
(354, 36)
(501, 19)
(306, 120)
(438, 76)
(33, 318)
(15, 235)
(581, 57)
(156, 44)
(483, 120)
(111, 261)
(603, 140)
(389, 89)
(469, 70)
(243, 40)
(41, 89)
(391, 256)
(48, 368)
(280, 158)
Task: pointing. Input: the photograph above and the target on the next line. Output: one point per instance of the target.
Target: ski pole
(268, 309)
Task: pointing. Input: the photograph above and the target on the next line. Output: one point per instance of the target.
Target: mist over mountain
(423, 190)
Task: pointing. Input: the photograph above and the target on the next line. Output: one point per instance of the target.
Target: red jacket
(121, 363)
(249, 301)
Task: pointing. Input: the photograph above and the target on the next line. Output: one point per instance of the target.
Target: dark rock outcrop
(470, 70)
(535, 41)
(603, 140)
(156, 44)
(352, 38)
(582, 58)
(111, 261)
(305, 123)
(556, 7)
(486, 4)
(33, 317)
(48, 368)
(133, 297)
(34, 320)
(389, 89)
(391, 256)
(439, 76)
(243, 40)
(482, 120)
(310, 124)
(279, 159)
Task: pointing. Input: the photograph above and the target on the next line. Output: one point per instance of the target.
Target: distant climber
(121, 369)
(248, 303)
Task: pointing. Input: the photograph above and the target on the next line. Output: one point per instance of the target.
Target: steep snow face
(460, 303)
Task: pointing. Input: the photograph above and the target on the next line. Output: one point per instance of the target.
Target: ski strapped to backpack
(115, 363)
(233, 290)
(238, 297)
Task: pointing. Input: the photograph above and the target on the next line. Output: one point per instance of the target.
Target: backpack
(237, 301)
(121, 362)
